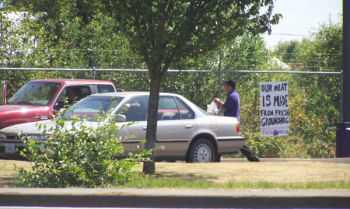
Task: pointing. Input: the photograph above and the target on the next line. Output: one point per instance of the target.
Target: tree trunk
(151, 133)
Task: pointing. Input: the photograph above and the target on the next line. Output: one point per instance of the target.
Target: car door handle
(188, 126)
(144, 128)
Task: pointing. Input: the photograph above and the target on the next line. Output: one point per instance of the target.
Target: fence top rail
(171, 70)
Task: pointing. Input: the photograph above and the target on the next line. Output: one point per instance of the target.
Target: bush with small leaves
(78, 153)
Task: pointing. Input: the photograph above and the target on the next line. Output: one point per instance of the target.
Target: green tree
(319, 93)
(287, 51)
(164, 31)
(61, 36)
(161, 32)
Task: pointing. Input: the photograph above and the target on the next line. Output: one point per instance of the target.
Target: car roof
(132, 93)
(73, 81)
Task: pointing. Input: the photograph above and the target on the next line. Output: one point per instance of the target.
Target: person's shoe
(253, 158)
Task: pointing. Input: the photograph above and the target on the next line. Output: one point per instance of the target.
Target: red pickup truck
(40, 99)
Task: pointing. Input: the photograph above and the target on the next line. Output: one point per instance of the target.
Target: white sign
(274, 115)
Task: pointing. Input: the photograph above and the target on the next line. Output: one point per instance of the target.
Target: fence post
(343, 128)
(93, 64)
(341, 96)
(220, 72)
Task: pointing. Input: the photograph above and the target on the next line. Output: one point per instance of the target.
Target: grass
(228, 175)
(181, 183)
(277, 172)
(8, 172)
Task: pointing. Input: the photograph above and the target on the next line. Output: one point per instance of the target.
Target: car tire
(202, 151)
(218, 158)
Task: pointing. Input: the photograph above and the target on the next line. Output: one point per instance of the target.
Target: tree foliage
(76, 154)
(98, 37)
(164, 31)
(320, 106)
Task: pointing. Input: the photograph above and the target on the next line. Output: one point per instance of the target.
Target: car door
(133, 129)
(173, 132)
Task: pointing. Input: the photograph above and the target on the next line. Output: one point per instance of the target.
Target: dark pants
(248, 153)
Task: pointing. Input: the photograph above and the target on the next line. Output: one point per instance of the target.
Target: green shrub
(82, 155)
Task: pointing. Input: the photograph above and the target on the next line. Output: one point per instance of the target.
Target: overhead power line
(289, 34)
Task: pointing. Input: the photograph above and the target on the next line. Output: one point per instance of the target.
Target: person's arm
(220, 104)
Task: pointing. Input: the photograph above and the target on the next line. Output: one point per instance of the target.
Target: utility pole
(343, 128)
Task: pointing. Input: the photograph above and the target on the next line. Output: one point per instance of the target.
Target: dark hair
(231, 82)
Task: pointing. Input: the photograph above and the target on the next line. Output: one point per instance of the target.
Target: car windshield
(91, 106)
(35, 93)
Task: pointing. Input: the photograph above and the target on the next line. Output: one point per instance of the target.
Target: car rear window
(185, 111)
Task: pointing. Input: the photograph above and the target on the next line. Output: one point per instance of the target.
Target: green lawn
(228, 175)
(8, 171)
(183, 183)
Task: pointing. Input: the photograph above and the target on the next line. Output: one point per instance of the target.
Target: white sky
(300, 17)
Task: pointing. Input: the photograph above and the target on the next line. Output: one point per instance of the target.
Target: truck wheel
(202, 151)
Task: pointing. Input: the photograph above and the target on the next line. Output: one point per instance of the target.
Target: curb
(163, 198)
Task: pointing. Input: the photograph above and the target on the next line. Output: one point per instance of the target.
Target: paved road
(161, 198)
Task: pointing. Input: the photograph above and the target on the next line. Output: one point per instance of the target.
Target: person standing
(231, 108)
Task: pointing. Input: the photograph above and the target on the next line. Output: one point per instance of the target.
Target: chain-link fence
(314, 83)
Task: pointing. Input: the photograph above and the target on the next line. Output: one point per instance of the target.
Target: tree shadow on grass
(7, 181)
(186, 176)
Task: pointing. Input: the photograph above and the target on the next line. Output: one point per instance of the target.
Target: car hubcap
(202, 153)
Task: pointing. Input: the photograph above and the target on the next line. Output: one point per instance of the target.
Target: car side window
(167, 109)
(105, 88)
(185, 111)
(135, 109)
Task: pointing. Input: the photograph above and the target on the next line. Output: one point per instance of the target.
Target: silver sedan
(184, 132)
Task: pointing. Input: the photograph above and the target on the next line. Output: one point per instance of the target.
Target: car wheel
(202, 151)
(218, 158)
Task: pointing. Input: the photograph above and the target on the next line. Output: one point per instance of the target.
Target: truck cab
(41, 99)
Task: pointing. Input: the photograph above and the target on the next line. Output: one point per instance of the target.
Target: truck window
(74, 94)
(105, 88)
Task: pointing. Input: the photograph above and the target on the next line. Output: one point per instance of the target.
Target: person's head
(230, 85)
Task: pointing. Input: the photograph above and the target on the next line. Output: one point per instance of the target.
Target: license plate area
(10, 148)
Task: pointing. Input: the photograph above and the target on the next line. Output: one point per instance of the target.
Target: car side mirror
(120, 118)
(3, 92)
(60, 104)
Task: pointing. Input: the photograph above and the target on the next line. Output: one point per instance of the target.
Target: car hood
(38, 127)
(28, 128)
(19, 110)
